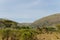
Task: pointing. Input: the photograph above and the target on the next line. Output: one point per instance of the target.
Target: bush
(58, 26)
(50, 29)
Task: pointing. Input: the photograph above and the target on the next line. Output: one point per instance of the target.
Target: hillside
(11, 24)
(7, 23)
(48, 21)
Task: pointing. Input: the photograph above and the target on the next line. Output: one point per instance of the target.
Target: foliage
(50, 29)
(58, 26)
(22, 34)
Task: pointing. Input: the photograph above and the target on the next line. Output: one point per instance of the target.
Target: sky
(28, 10)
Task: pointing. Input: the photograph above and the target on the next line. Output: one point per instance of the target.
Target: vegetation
(14, 34)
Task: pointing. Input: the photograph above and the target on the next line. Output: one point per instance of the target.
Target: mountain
(7, 23)
(50, 20)
(11, 24)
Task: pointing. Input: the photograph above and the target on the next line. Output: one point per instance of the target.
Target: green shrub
(58, 26)
(51, 29)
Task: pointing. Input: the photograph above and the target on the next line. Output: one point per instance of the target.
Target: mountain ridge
(51, 19)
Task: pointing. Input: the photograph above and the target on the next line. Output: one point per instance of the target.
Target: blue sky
(28, 10)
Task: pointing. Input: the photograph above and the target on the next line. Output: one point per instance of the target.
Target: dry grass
(53, 36)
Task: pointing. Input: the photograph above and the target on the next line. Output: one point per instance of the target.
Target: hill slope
(48, 21)
(7, 23)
